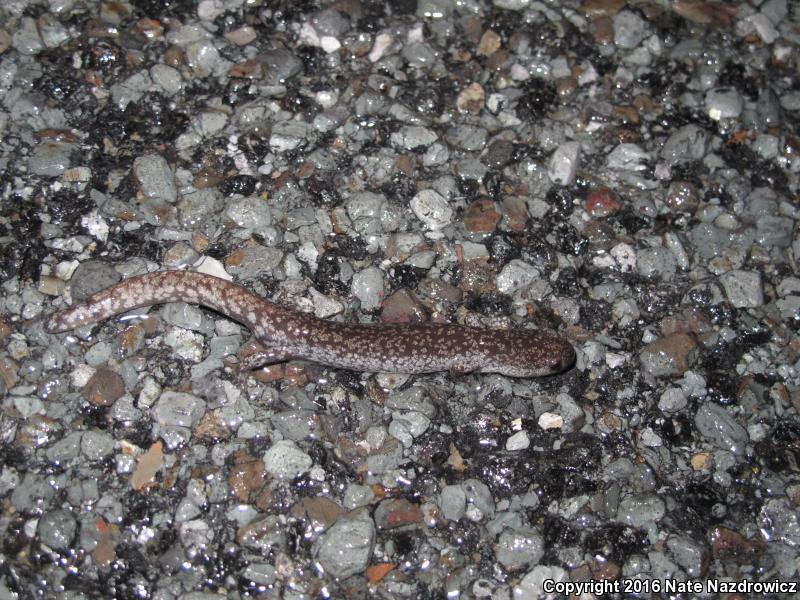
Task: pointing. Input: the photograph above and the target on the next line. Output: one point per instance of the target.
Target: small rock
(641, 510)
(629, 29)
(481, 216)
(743, 288)
(104, 387)
(178, 409)
(368, 287)
(563, 164)
(686, 144)
(670, 355)
(718, 425)
(284, 460)
(432, 209)
(57, 529)
(397, 512)
(96, 445)
(516, 275)
(346, 548)
(672, 400)
(155, 178)
(724, 103)
(519, 441)
(519, 548)
(602, 202)
(453, 502)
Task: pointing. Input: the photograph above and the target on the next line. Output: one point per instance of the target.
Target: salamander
(287, 334)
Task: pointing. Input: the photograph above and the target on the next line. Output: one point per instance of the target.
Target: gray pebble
(453, 502)
(511, 4)
(773, 230)
(629, 29)
(57, 529)
(641, 510)
(743, 288)
(388, 458)
(661, 567)
(284, 460)
(297, 425)
(532, 586)
(686, 144)
(780, 520)
(768, 108)
(263, 574)
(251, 214)
(33, 493)
(167, 78)
(689, 554)
(197, 205)
(124, 410)
(365, 205)
(672, 400)
(627, 157)
(479, 495)
(419, 55)
(436, 154)
(266, 534)
(518, 441)
(407, 425)
(65, 449)
(289, 135)
(724, 103)
(368, 287)
(432, 209)
(519, 548)
(178, 409)
(50, 158)
(357, 495)
(516, 275)
(717, 424)
(187, 316)
(413, 137)
(564, 163)
(96, 445)
(467, 137)
(98, 354)
(224, 345)
(346, 547)
(656, 263)
(416, 398)
(90, 277)
(279, 65)
(155, 178)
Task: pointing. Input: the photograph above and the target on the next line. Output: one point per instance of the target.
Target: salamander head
(532, 353)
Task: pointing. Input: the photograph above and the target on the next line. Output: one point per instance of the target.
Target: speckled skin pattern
(392, 348)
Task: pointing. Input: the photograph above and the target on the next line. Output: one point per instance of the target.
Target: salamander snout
(564, 358)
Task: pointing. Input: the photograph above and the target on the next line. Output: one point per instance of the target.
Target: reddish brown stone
(397, 512)
(104, 387)
(481, 216)
(730, 545)
(671, 355)
(602, 202)
(402, 307)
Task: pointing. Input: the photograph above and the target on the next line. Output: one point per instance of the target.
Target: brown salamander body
(394, 348)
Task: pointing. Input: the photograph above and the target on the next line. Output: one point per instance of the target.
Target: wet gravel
(623, 172)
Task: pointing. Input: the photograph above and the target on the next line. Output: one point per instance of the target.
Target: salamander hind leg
(266, 356)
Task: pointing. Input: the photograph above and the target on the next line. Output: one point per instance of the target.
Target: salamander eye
(554, 362)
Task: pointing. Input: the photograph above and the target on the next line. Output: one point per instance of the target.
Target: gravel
(623, 173)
